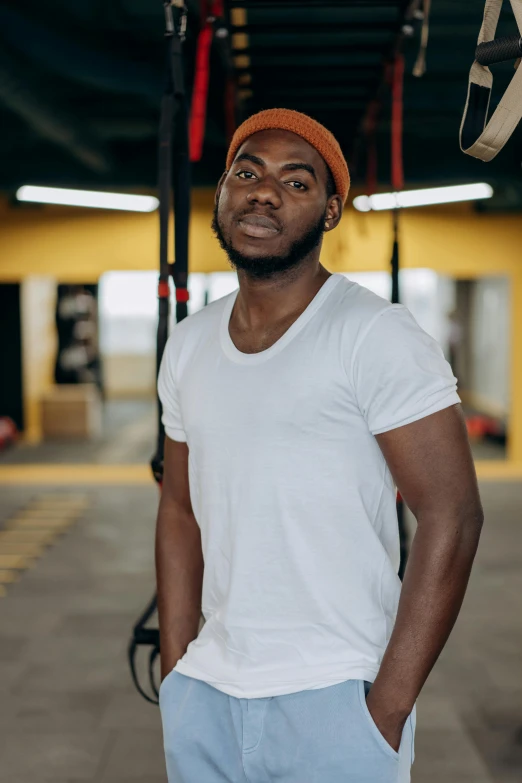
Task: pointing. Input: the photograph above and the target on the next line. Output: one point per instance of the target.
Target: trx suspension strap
(479, 137)
(173, 174)
(397, 169)
(396, 77)
(213, 28)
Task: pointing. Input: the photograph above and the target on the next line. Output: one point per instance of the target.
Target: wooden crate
(72, 411)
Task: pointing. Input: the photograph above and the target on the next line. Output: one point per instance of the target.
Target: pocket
(413, 725)
(164, 681)
(386, 747)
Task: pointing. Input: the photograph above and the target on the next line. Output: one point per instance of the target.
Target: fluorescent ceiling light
(424, 197)
(87, 198)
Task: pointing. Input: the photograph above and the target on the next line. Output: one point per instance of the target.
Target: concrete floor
(128, 432)
(68, 710)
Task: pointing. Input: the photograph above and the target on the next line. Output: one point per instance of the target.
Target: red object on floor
(480, 425)
(8, 432)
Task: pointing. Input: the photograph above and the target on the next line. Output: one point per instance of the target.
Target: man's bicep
(175, 488)
(430, 460)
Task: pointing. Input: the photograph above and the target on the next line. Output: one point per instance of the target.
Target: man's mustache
(246, 212)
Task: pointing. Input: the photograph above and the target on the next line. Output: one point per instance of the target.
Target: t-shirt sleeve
(168, 393)
(400, 373)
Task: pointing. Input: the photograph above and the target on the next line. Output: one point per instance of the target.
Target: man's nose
(265, 192)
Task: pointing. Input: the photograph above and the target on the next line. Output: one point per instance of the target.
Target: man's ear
(334, 211)
(219, 186)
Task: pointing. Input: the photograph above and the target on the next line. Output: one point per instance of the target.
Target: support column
(515, 404)
(38, 302)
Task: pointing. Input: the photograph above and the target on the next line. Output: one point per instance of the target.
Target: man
(288, 406)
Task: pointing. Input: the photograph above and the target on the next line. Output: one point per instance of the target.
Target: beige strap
(419, 69)
(485, 139)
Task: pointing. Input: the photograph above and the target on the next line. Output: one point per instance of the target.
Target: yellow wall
(515, 413)
(74, 245)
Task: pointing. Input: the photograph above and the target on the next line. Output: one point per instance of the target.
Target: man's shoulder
(194, 330)
(358, 306)
(205, 320)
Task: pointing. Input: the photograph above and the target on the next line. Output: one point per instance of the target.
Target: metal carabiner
(169, 17)
(170, 27)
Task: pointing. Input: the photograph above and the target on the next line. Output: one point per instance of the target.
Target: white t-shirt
(294, 499)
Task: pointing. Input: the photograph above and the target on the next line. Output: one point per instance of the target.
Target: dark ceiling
(80, 85)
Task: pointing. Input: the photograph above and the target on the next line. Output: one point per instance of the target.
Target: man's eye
(297, 185)
(245, 174)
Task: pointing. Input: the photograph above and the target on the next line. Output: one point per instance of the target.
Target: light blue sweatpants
(316, 736)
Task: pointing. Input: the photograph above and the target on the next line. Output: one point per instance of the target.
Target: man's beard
(265, 267)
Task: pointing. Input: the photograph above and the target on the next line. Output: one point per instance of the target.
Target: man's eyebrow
(300, 167)
(251, 158)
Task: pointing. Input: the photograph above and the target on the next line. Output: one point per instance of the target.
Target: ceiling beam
(47, 120)
(256, 5)
(326, 27)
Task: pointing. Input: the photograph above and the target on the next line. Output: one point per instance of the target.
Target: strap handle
(479, 137)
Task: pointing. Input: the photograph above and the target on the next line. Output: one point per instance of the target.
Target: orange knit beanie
(302, 125)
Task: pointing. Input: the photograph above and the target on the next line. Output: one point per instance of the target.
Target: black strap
(148, 637)
(181, 177)
(173, 174)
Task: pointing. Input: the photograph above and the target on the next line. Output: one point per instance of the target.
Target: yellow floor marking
(15, 561)
(38, 513)
(37, 524)
(50, 521)
(21, 548)
(7, 577)
(27, 536)
(60, 508)
(63, 475)
(62, 499)
(54, 508)
(65, 505)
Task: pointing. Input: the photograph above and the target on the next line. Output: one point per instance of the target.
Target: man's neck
(262, 304)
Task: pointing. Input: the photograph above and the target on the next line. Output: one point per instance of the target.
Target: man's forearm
(179, 572)
(433, 590)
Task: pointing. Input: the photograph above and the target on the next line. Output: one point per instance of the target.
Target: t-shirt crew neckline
(257, 358)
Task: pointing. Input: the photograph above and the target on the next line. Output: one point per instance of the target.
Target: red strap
(198, 109)
(370, 127)
(230, 108)
(397, 172)
(199, 94)
(182, 295)
(210, 11)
